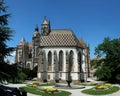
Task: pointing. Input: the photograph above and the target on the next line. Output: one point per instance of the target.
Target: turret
(35, 43)
(45, 27)
(36, 33)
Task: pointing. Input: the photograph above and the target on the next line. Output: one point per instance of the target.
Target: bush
(34, 84)
(51, 90)
(22, 76)
(104, 86)
(118, 78)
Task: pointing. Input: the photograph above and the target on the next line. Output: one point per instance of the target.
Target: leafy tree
(110, 69)
(96, 62)
(22, 76)
(5, 32)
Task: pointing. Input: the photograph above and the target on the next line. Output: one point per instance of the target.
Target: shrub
(104, 86)
(32, 85)
(100, 87)
(108, 84)
(36, 83)
(93, 83)
(51, 90)
(22, 76)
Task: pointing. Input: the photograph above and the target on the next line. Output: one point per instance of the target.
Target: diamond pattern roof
(59, 38)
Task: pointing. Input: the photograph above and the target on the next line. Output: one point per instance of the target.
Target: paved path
(21, 85)
(75, 92)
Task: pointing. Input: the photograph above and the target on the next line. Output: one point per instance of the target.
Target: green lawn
(110, 90)
(37, 91)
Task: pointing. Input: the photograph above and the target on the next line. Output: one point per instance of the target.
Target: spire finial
(23, 39)
(36, 29)
(44, 17)
(22, 42)
(45, 20)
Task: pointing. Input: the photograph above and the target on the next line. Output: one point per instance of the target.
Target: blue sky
(91, 20)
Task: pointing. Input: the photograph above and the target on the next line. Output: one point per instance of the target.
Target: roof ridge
(61, 29)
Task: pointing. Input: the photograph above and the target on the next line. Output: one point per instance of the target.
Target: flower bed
(102, 87)
(43, 91)
(100, 91)
(50, 90)
(34, 84)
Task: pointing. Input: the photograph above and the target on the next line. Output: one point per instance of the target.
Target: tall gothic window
(80, 67)
(30, 55)
(49, 60)
(79, 62)
(60, 60)
(71, 61)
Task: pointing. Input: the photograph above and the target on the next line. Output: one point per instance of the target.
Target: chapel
(57, 53)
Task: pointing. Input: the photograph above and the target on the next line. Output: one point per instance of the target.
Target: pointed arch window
(55, 57)
(49, 60)
(60, 60)
(79, 62)
(67, 57)
(71, 67)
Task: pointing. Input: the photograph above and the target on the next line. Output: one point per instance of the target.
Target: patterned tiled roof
(59, 38)
(82, 43)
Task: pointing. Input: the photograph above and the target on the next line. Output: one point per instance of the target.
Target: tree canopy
(5, 32)
(110, 68)
(6, 71)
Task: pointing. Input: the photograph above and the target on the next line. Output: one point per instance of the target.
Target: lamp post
(69, 80)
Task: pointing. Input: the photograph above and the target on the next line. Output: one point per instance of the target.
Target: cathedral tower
(35, 41)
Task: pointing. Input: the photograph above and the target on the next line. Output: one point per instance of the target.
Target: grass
(110, 90)
(37, 91)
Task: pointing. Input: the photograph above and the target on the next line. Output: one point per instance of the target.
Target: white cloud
(12, 57)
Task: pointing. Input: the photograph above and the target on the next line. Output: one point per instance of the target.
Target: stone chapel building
(57, 53)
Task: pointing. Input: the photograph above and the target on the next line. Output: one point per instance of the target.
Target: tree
(110, 69)
(5, 32)
(22, 76)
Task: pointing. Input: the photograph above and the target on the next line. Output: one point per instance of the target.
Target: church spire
(45, 21)
(22, 41)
